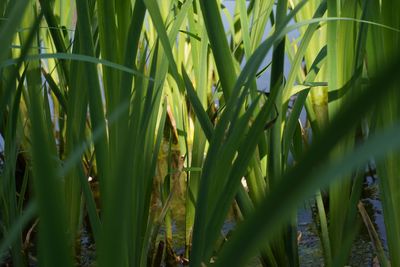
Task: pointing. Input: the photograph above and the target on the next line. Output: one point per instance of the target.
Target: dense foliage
(110, 109)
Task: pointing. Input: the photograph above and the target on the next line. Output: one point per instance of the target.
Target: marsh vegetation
(117, 117)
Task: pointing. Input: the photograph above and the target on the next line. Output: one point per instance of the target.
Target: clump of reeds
(97, 88)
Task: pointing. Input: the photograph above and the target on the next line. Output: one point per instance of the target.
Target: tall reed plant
(92, 90)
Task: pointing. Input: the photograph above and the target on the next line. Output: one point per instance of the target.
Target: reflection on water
(373, 204)
(310, 252)
(362, 253)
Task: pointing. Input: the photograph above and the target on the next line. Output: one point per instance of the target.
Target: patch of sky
(1, 144)
(263, 81)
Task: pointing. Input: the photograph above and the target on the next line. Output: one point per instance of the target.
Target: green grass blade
(95, 102)
(345, 119)
(76, 57)
(198, 107)
(55, 247)
(219, 45)
(381, 49)
(8, 29)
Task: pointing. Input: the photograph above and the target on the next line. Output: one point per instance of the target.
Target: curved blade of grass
(77, 57)
(312, 178)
